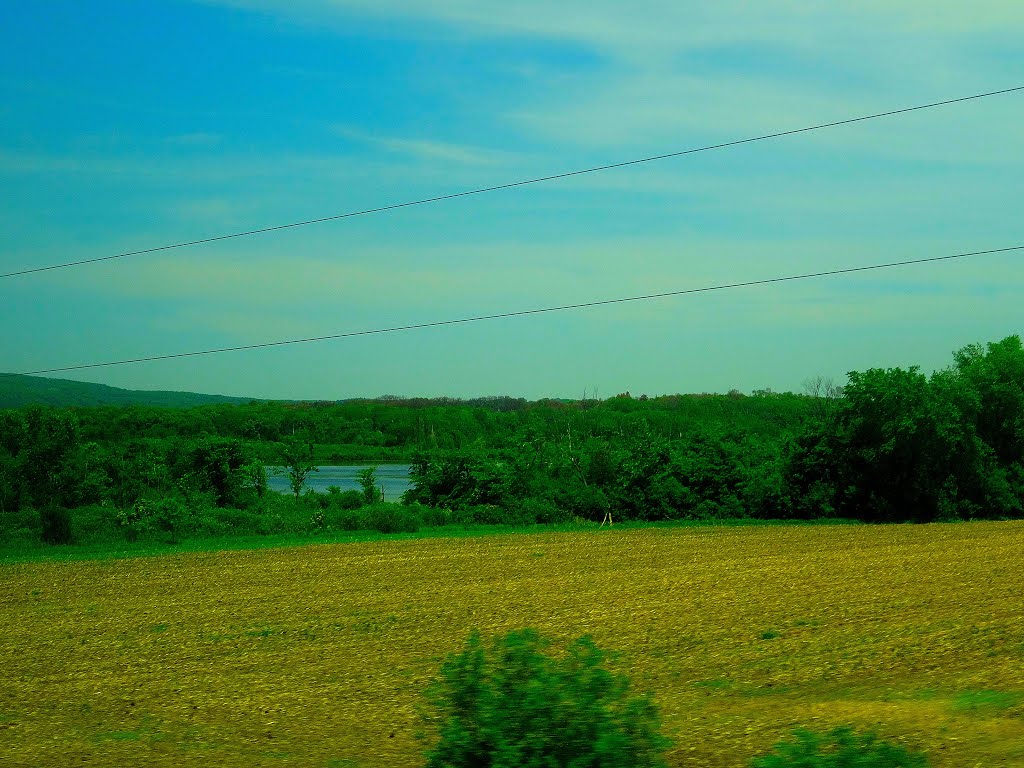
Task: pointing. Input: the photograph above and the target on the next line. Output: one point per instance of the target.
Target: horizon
(129, 127)
(388, 396)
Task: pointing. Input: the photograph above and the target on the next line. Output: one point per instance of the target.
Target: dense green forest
(891, 445)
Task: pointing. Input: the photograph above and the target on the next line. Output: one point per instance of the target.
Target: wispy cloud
(425, 149)
(788, 64)
(660, 23)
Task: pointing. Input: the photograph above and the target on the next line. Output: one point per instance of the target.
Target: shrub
(22, 524)
(207, 524)
(93, 524)
(346, 520)
(840, 748)
(56, 525)
(486, 514)
(241, 521)
(542, 511)
(340, 499)
(431, 517)
(389, 518)
(169, 520)
(165, 519)
(515, 706)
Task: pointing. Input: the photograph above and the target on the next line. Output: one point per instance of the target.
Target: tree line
(891, 445)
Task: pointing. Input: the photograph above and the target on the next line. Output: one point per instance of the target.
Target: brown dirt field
(316, 656)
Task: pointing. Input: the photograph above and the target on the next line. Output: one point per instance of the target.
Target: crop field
(317, 656)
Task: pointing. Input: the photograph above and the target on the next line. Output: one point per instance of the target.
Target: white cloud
(813, 62)
(661, 24)
(425, 149)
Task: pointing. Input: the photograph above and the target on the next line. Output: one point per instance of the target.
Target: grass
(24, 552)
(321, 651)
(987, 701)
(713, 685)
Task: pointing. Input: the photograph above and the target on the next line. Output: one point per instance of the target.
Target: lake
(394, 478)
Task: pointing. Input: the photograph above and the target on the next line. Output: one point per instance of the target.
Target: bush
(240, 521)
(516, 706)
(56, 525)
(340, 499)
(431, 517)
(346, 520)
(389, 518)
(169, 520)
(94, 524)
(542, 511)
(840, 748)
(20, 525)
(486, 514)
(165, 519)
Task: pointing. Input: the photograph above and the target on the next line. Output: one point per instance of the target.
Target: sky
(133, 125)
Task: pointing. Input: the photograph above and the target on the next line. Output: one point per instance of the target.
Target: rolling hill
(17, 390)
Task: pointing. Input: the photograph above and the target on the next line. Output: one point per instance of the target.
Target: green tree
(888, 451)
(989, 384)
(297, 458)
(218, 464)
(368, 482)
(994, 376)
(516, 705)
(46, 459)
(12, 439)
(254, 478)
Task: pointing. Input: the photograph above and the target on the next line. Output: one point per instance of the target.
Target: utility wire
(521, 313)
(510, 185)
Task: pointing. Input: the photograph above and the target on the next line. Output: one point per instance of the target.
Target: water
(394, 478)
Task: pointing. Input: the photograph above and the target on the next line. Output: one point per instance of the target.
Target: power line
(521, 313)
(509, 185)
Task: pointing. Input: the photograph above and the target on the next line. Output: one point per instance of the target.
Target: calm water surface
(394, 478)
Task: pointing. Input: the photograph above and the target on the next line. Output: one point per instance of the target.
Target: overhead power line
(509, 185)
(523, 312)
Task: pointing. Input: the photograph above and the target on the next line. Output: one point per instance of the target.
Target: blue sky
(127, 125)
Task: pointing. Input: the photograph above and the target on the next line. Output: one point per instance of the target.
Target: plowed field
(316, 656)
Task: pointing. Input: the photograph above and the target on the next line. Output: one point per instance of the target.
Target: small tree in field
(517, 706)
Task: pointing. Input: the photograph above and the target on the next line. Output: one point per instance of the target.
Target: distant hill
(17, 390)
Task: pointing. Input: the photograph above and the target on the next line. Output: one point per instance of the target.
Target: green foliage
(389, 518)
(901, 446)
(840, 748)
(223, 467)
(56, 525)
(340, 499)
(538, 510)
(893, 445)
(254, 478)
(166, 519)
(516, 705)
(297, 458)
(368, 482)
